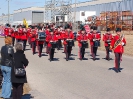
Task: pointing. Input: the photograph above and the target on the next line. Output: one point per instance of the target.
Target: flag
(25, 23)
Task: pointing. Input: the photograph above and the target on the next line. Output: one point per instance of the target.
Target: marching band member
(33, 39)
(91, 42)
(13, 35)
(10, 31)
(58, 34)
(95, 42)
(68, 41)
(82, 39)
(20, 33)
(47, 31)
(6, 30)
(24, 37)
(28, 34)
(51, 39)
(40, 43)
(117, 45)
(107, 38)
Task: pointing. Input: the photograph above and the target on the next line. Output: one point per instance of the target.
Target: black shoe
(94, 59)
(116, 70)
(66, 59)
(119, 70)
(50, 59)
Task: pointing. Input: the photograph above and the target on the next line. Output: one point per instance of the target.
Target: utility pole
(8, 11)
(75, 11)
(75, 27)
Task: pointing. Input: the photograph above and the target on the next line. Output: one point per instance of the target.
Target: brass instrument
(119, 41)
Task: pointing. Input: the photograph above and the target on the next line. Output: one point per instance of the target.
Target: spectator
(20, 62)
(7, 53)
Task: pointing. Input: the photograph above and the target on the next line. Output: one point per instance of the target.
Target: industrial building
(35, 15)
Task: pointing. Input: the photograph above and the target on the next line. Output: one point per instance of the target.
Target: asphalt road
(75, 79)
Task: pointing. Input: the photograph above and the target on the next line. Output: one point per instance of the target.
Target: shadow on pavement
(56, 59)
(113, 68)
(73, 55)
(44, 55)
(95, 58)
(27, 96)
(110, 58)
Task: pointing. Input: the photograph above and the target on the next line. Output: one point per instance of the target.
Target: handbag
(20, 72)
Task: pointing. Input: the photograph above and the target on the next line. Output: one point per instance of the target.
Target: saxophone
(119, 41)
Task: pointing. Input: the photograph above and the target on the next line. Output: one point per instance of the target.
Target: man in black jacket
(7, 53)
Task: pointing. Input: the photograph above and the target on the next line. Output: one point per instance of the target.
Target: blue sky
(17, 4)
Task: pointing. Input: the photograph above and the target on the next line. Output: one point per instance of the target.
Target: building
(35, 15)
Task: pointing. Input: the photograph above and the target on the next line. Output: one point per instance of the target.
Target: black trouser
(17, 90)
(18, 40)
(117, 60)
(82, 52)
(68, 51)
(40, 47)
(34, 47)
(95, 52)
(24, 44)
(51, 53)
(13, 40)
(59, 45)
(107, 52)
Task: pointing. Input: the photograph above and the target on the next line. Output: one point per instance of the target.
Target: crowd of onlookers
(12, 65)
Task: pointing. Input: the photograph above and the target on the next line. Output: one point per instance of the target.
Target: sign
(60, 18)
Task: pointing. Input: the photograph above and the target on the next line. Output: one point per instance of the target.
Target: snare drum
(84, 44)
(70, 43)
(96, 43)
(53, 45)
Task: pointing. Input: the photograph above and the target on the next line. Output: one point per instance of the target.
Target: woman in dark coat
(20, 62)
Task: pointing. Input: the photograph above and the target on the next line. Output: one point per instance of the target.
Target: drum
(84, 44)
(53, 45)
(70, 43)
(96, 43)
(41, 36)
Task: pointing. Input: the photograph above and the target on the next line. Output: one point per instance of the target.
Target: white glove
(122, 44)
(94, 40)
(62, 41)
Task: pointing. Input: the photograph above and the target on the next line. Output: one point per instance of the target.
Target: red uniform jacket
(13, 33)
(20, 33)
(24, 34)
(47, 32)
(67, 36)
(10, 31)
(33, 35)
(107, 37)
(94, 36)
(81, 37)
(28, 32)
(59, 35)
(119, 48)
(51, 38)
(6, 31)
